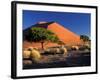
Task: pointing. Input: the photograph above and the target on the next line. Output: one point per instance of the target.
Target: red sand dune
(65, 35)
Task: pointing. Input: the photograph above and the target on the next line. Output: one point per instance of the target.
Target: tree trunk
(42, 45)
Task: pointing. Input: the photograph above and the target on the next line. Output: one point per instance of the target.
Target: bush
(82, 48)
(26, 54)
(35, 55)
(75, 48)
(56, 51)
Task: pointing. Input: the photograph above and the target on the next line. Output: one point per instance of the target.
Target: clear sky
(78, 23)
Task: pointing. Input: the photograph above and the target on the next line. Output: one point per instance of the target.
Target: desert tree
(41, 35)
(84, 38)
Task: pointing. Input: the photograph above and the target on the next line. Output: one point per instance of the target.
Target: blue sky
(78, 23)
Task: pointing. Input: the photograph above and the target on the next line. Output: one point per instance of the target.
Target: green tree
(84, 38)
(42, 35)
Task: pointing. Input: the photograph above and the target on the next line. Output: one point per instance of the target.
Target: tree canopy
(37, 34)
(84, 38)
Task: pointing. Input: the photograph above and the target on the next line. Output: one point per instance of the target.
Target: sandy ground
(72, 59)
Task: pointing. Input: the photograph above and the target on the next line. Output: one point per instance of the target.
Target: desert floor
(72, 59)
